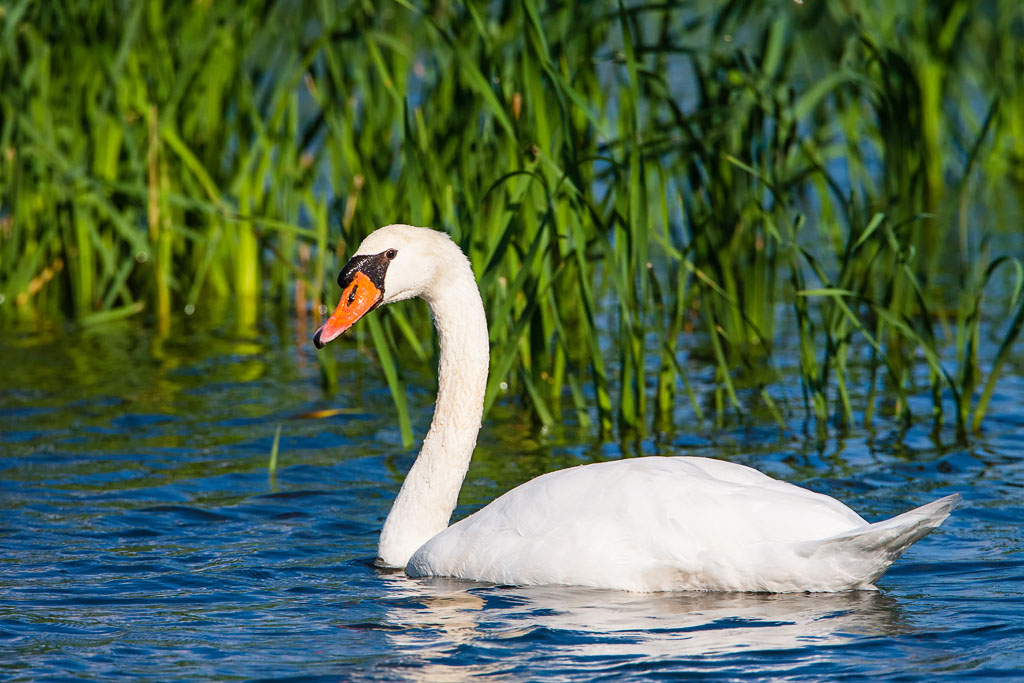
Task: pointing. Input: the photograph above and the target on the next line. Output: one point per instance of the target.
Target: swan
(643, 524)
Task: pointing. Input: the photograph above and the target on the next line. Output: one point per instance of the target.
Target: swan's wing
(643, 523)
(827, 508)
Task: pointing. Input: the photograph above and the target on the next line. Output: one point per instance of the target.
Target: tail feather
(863, 555)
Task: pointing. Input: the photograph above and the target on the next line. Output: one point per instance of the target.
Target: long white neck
(424, 506)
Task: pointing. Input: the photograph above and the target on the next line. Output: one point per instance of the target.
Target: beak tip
(358, 299)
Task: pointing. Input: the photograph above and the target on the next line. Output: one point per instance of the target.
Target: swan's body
(661, 524)
(645, 524)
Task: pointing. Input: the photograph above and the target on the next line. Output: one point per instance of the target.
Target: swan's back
(656, 523)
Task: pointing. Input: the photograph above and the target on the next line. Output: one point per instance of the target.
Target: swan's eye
(391, 254)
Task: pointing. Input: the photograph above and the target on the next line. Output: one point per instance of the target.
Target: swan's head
(393, 263)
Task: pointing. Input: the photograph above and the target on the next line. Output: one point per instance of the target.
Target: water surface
(143, 536)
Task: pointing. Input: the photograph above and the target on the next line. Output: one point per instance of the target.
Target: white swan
(644, 524)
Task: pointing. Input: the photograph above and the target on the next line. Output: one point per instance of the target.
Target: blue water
(143, 536)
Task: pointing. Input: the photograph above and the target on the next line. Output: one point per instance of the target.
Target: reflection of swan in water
(431, 617)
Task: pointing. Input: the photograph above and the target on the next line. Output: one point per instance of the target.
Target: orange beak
(358, 299)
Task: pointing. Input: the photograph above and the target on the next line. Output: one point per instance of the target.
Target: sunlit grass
(637, 185)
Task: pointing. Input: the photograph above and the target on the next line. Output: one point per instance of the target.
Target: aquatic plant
(638, 185)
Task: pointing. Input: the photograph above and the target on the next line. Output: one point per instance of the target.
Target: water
(142, 535)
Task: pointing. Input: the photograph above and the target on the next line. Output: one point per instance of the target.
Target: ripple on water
(143, 534)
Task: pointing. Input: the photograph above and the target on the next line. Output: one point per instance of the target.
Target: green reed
(642, 188)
